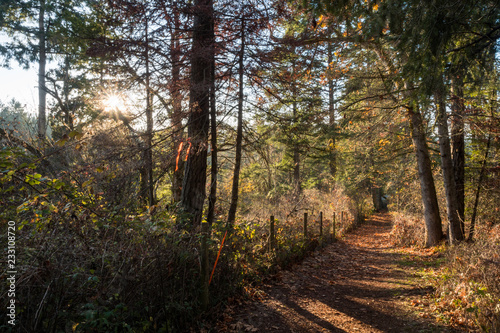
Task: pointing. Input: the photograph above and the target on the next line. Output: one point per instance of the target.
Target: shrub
(471, 289)
(407, 231)
(123, 276)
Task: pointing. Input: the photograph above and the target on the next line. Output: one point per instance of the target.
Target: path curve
(353, 285)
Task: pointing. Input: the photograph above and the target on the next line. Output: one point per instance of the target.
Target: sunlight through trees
(156, 116)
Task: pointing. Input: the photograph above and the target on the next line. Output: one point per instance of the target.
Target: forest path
(358, 284)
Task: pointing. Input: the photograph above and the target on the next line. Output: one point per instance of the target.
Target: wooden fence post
(271, 234)
(305, 225)
(333, 227)
(204, 265)
(320, 228)
(320, 224)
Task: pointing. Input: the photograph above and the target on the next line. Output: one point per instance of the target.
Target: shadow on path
(353, 285)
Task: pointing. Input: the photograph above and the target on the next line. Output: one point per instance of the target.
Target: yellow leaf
(375, 7)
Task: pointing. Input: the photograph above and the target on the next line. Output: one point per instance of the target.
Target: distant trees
(289, 78)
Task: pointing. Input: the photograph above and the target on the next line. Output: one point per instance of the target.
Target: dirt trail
(358, 284)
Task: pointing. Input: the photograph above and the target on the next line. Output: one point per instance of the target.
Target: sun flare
(113, 102)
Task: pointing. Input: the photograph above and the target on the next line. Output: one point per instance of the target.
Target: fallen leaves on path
(361, 283)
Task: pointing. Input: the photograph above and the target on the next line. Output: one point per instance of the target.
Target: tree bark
(331, 113)
(433, 227)
(239, 134)
(66, 107)
(42, 91)
(458, 142)
(149, 128)
(377, 198)
(212, 197)
(296, 156)
(195, 177)
(455, 229)
(177, 115)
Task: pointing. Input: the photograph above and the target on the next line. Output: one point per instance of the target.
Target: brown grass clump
(468, 283)
(407, 231)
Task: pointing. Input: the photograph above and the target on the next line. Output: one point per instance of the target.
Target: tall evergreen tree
(40, 30)
(202, 52)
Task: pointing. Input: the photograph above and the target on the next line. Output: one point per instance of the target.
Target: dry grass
(471, 288)
(290, 210)
(407, 231)
(468, 282)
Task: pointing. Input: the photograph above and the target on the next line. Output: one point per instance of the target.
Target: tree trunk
(212, 197)
(149, 129)
(67, 108)
(297, 186)
(455, 229)
(239, 134)
(331, 113)
(458, 143)
(42, 91)
(433, 227)
(296, 170)
(195, 177)
(177, 116)
(377, 198)
(143, 172)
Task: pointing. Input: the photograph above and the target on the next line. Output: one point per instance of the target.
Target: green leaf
(76, 134)
(58, 184)
(61, 142)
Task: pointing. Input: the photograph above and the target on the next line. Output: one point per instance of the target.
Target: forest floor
(360, 283)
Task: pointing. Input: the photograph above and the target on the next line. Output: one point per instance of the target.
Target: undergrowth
(467, 282)
(125, 277)
(407, 231)
(92, 269)
(471, 289)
